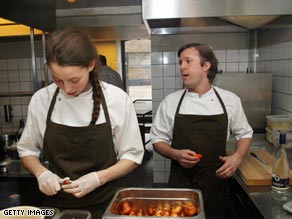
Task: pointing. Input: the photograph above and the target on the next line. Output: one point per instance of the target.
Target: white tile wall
(221, 55)
(3, 64)
(169, 70)
(13, 76)
(276, 59)
(243, 55)
(3, 87)
(3, 76)
(156, 58)
(12, 64)
(157, 71)
(169, 57)
(14, 87)
(232, 56)
(169, 82)
(16, 76)
(232, 67)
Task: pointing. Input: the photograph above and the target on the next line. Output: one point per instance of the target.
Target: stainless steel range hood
(204, 16)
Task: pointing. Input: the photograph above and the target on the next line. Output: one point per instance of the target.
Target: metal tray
(73, 214)
(149, 197)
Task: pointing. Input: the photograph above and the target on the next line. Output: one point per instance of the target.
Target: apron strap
(180, 101)
(221, 102)
(52, 105)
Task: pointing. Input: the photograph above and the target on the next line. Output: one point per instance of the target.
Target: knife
(259, 158)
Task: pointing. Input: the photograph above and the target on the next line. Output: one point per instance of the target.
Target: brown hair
(206, 54)
(72, 47)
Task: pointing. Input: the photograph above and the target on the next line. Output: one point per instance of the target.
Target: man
(108, 75)
(198, 120)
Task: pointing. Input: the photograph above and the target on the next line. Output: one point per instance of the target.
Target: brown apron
(76, 151)
(205, 134)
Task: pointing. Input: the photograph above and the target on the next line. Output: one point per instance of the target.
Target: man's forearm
(242, 147)
(165, 149)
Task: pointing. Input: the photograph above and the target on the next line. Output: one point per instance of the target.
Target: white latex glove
(49, 183)
(84, 185)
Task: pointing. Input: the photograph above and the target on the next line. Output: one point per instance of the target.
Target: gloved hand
(83, 185)
(49, 183)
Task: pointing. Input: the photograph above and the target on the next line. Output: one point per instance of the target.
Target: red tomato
(150, 211)
(176, 209)
(125, 208)
(67, 181)
(190, 209)
(159, 212)
(132, 213)
(200, 156)
(140, 212)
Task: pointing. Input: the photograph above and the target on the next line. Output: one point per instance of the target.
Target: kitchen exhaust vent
(201, 16)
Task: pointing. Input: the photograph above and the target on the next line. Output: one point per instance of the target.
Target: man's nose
(182, 65)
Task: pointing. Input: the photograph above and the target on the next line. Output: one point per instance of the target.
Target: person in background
(108, 75)
(85, 129)
(197, 121)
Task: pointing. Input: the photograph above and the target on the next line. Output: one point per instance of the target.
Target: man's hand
(229, 167)
(187, 158)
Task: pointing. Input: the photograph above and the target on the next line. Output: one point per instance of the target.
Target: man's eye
(179, 62)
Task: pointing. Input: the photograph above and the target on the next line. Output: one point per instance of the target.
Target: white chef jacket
(76, 111)
(207, 104)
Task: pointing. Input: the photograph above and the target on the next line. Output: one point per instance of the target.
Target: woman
(85, 129)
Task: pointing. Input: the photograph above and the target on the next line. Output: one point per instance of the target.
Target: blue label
(277, 182)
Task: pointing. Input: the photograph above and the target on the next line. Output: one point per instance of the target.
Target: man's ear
(206, 66)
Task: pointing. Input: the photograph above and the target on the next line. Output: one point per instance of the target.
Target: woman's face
(74, 80)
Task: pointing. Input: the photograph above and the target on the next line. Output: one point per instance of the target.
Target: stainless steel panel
(152, 9)
(195, 16)
(255, 92)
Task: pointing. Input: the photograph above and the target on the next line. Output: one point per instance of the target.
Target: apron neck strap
(52, 105)
(180, 101)
(221, 102)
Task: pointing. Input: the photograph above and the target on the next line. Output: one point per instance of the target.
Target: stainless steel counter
(260, 195)
(261, 198)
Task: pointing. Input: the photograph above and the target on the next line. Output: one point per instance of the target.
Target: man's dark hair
(206, 54)
(102, 60)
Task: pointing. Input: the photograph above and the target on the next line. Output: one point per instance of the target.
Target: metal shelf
(17, 94)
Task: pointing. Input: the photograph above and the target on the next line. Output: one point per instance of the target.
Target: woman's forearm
(120, 169)
(33, 165)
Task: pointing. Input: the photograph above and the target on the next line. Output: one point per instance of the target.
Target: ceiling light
(9, 28)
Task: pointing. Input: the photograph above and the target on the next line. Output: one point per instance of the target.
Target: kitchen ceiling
(134, 19)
